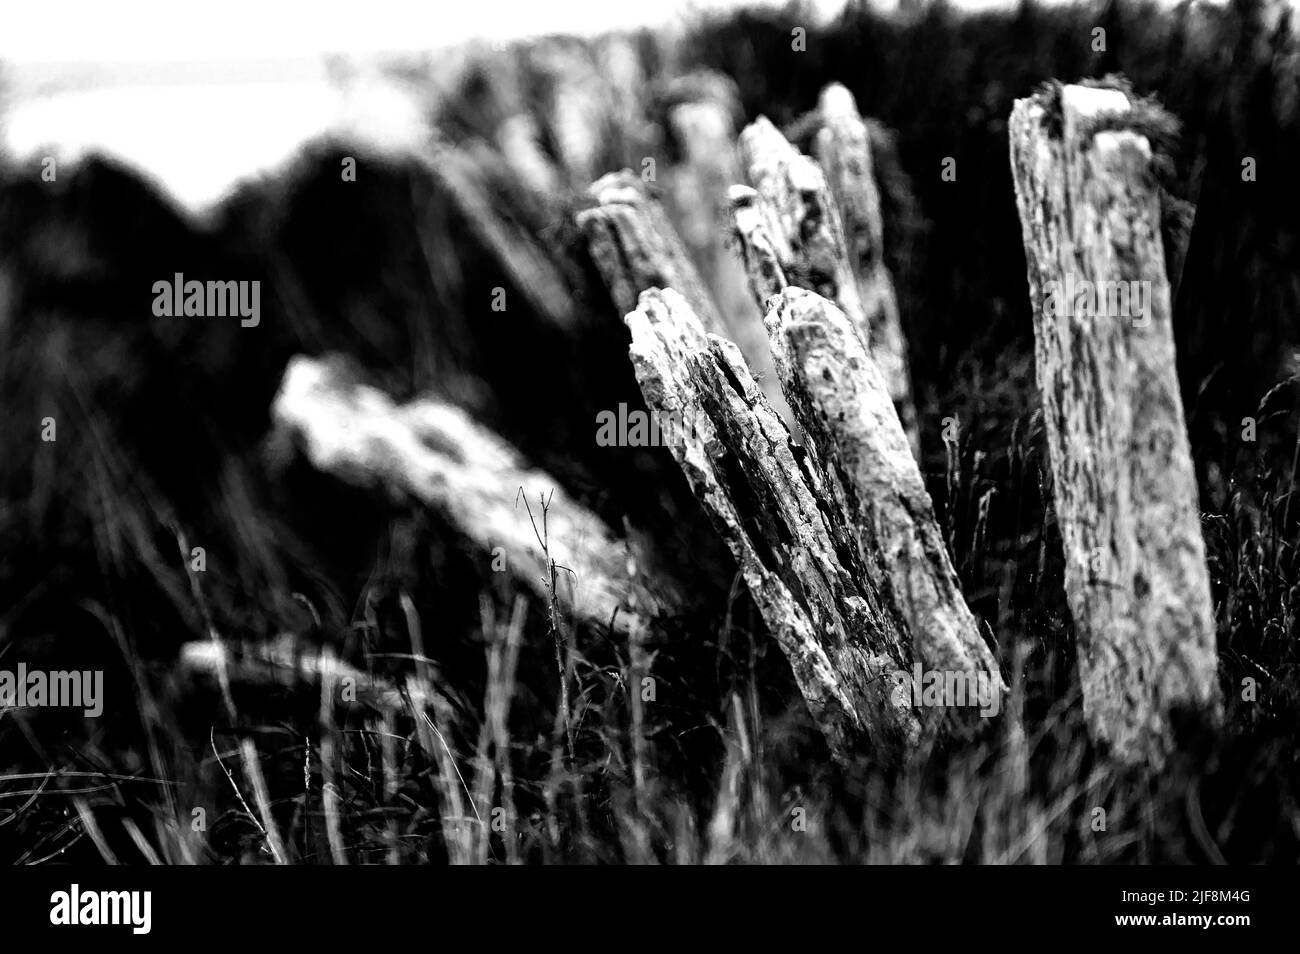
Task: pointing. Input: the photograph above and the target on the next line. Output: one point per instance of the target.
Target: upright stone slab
(1125, 488)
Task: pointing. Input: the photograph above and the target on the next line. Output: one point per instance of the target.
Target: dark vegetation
(162, 446)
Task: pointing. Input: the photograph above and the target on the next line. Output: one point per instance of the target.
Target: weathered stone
(842, 147)
(841, 399)
(1125, 488)
(636, 248)
(795, 548)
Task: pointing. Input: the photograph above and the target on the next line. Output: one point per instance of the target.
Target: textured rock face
(803, 220)
(843, 150)
(636, 248)
(758, 247)
(842, 400)
(1125, 489)
(794, 545)
(823, 223)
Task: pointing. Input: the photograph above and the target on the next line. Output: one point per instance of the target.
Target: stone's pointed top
(795, 298)
(795, 309)
(741, 196)
(668, 296)
(806, 175)
(1081, 105)
(703, 86)
(620, 187)
(1083, 102)
(837, 101)
(761, 136)
(659, 308)
(660, 304)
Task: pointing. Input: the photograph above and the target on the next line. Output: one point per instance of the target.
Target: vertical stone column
(1125, 488)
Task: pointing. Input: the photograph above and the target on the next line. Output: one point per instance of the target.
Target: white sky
(146, 31)
(198, 94)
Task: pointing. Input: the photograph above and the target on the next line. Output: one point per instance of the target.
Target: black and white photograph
(828, 433)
